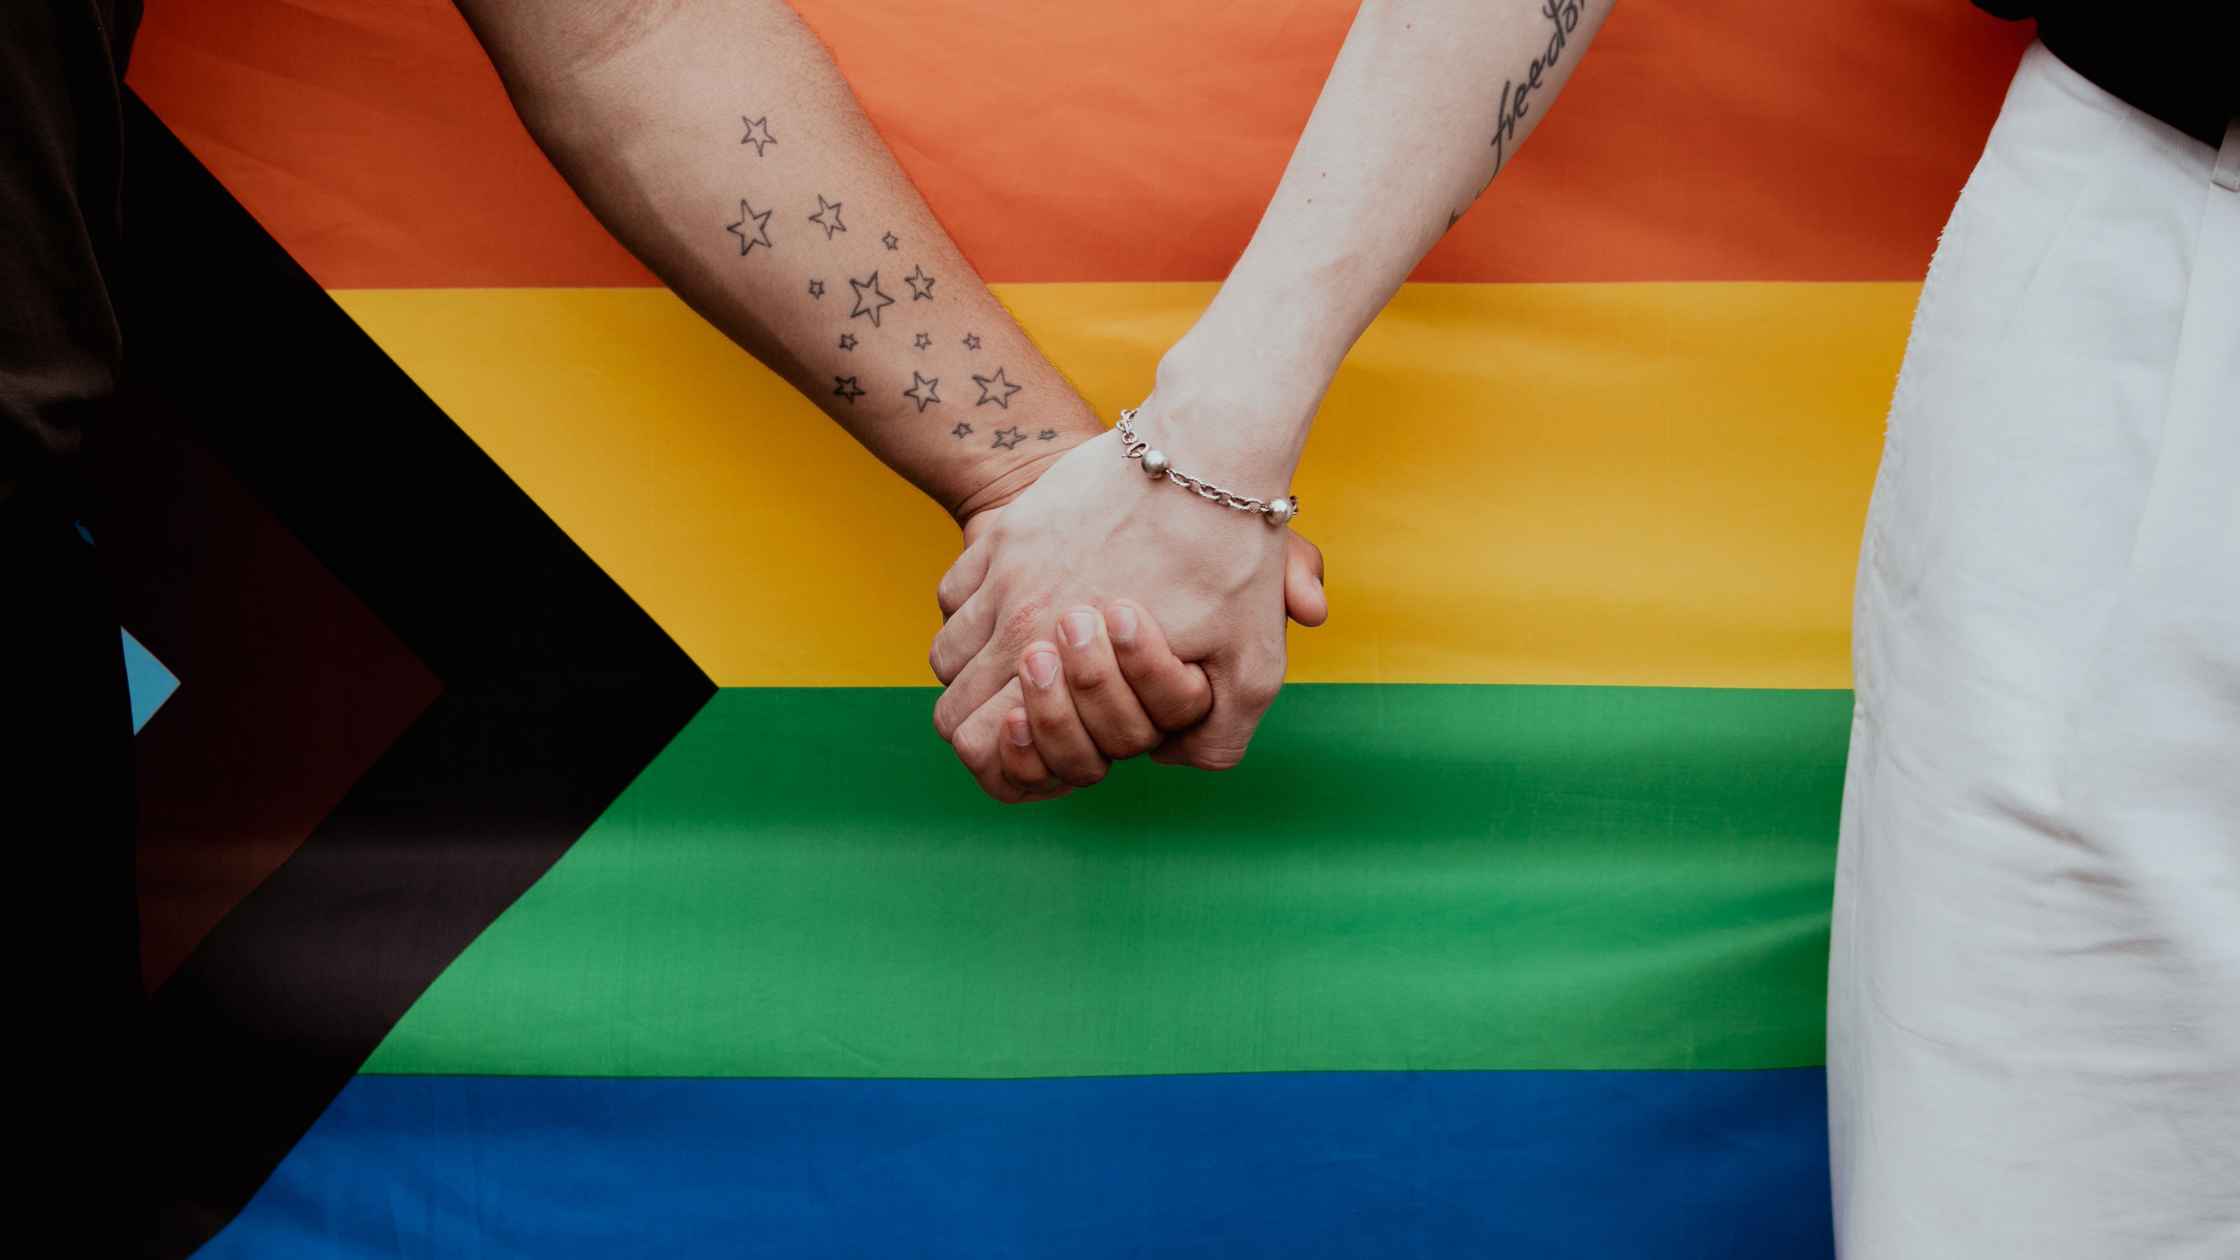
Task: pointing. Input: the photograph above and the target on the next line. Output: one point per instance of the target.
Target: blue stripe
(1672, 1165)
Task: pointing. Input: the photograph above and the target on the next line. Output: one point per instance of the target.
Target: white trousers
(2034, 994)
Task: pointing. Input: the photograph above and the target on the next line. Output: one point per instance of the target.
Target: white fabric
(2034, 1003)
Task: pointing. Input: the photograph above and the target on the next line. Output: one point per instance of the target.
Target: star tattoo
(847, 341)
(816, 288)
(962, 430)
(846, 387)
(891, 241)
(921, 284)
(1047, 435)
(754, 125)
(995, 389)
(832, 224)
(921, 391)
(972, 341)
(760, 235)
(869, 307)
(921, 341)
(1008, 438)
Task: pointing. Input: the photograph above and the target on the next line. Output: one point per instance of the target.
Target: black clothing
(2179, 62)
(61, 80)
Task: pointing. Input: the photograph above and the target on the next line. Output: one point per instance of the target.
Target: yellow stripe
(1590, 483)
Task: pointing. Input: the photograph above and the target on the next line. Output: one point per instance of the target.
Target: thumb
(1303, 596)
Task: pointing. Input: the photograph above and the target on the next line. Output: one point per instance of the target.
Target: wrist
(1222, 412)
(993, 486)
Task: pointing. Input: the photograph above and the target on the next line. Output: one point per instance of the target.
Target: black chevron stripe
(557, 689)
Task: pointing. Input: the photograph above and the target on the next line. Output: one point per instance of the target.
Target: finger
(1108, 710)
(1303, 596)
(979, 745)
(1240, 697)
(977, 683)
(964, 577)
(1172, 692)
(961, 637)
(1058, 734)
(1023, 767)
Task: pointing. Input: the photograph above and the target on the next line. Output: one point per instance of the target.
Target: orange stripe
(1129, 139)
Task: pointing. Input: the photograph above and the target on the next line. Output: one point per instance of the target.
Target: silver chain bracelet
(1274, 511)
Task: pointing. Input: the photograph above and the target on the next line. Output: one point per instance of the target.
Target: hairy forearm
(1427, 102)
(718, 142)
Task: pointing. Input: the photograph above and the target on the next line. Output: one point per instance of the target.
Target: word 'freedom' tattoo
(832, 224)
(760, 235)
(921, 284)
(754, 125)
(1008, 438)
(921, 391)
(995, 389)
(846, 387)
(869, 307)
(1516, 98)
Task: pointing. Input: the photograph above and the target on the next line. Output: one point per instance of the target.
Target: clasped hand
(1100, 615)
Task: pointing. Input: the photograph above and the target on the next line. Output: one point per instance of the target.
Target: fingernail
(1080, 625)
(1015, 728)
(1042, 667)
(1121, 620)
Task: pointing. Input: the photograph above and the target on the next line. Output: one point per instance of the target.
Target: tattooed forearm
(808, 198)
(1516, 94)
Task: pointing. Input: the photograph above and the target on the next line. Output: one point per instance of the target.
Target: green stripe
(1400, 877)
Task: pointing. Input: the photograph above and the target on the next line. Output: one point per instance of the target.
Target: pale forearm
(1427, 102)
(720, 144)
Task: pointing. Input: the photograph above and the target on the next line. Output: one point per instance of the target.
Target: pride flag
(546, 851)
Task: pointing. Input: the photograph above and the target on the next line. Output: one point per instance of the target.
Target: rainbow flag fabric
(546, 850)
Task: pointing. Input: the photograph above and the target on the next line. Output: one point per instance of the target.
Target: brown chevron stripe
(291, 687)
(555, 688)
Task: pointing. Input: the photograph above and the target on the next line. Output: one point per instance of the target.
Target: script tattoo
(1516, 97)
(761, 233)
(995, 389)
(868, 307)
(762, 141)
(921, 391)
(832, 224)
(921, 284)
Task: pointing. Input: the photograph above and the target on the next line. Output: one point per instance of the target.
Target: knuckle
(1020, 625)
(1087, 774)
